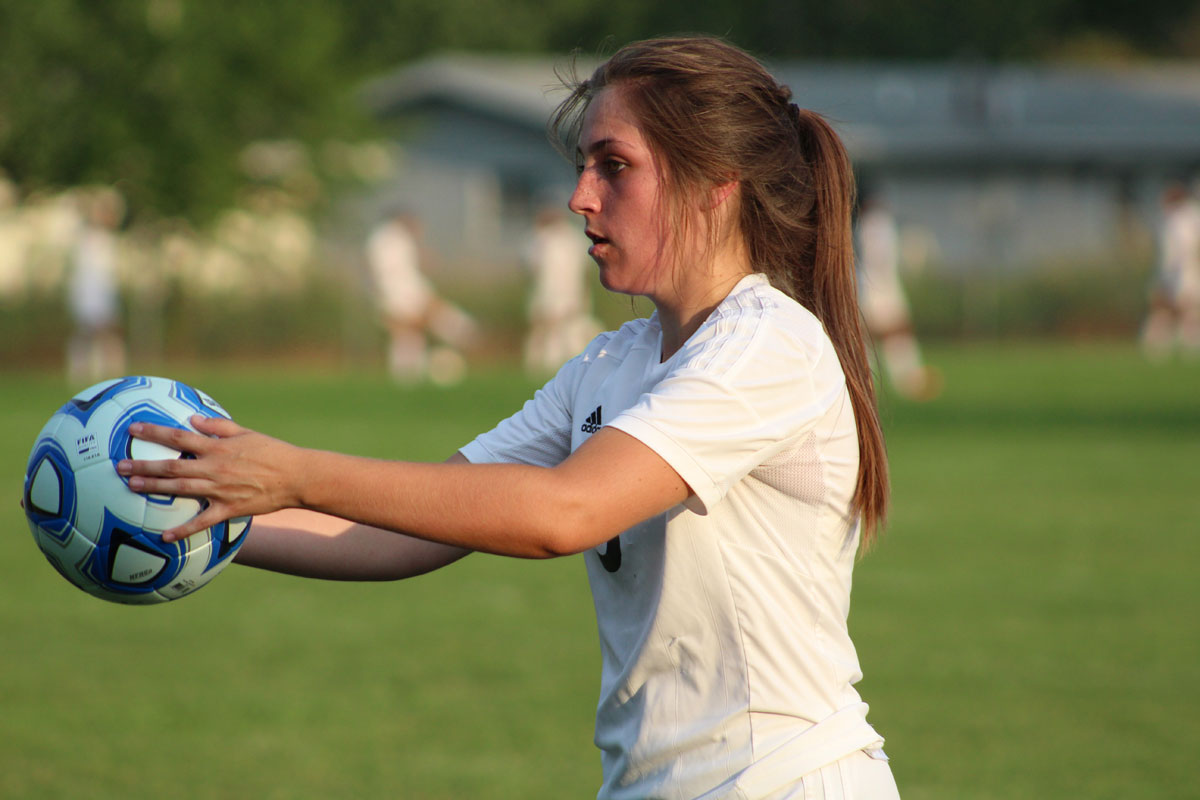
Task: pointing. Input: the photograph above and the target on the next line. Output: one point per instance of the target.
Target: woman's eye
(612, 166)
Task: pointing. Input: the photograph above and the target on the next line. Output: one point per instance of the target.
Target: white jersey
(557, 255)
(1179, 253)
(394, 259)
(881, 295)
(728, 670)
(93, 288)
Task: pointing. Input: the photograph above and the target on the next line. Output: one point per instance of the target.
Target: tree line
(160, 97)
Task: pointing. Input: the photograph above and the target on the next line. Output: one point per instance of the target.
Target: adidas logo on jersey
(592, 423)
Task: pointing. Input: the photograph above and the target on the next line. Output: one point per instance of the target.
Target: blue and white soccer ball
(100, 535)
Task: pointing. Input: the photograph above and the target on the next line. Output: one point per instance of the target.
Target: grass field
(1029, 627)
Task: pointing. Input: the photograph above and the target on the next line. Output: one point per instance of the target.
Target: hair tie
(795, 115)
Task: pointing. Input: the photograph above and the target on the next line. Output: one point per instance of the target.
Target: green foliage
(1105, 300)
(328, 318)
(396, 30)
(323, 320)
(380, 35)
(1028, 626)
(331, 320)
(161, 96)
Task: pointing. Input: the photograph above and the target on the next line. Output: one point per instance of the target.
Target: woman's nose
(583, 199)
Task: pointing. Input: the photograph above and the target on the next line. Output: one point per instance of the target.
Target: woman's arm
(310, 544)
(313, 545)
(607, 485)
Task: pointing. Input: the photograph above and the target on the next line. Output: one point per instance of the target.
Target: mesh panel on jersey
(798, 473)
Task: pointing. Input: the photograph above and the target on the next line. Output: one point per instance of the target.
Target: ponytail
(832, 296)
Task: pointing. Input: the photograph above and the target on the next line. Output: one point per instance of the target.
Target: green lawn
(1029, 626)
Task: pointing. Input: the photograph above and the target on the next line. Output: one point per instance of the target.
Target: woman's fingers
(184, 441)
(155, 477)
(211, 429)
(173, 476)
(216, 426)
(205, 519)
(234, 470)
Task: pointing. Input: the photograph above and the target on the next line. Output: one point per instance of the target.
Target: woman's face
(620, 195)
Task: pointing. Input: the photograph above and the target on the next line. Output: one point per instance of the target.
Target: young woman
(718, 465)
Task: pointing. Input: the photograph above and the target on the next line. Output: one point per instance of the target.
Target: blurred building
(990, 166)
(476, 161)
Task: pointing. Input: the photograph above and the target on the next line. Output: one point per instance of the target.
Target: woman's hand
(237, 471)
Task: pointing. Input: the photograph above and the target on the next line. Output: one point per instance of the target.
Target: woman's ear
(722, 192)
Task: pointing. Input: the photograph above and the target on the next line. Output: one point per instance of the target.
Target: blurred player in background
(718, 464)
(12, 240)
(96, 349)
(560, 322)
(411, 308)
(1174, 317)
(885, 306)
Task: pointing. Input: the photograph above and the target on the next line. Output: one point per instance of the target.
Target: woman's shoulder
(756, 296)
(619, 342)
(756, 322)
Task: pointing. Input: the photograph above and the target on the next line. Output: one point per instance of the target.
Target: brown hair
(712, 113)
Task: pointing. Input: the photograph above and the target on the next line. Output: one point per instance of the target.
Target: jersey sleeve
(735, 404)
(540, 433)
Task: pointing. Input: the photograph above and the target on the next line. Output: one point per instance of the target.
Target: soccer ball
(100, 535)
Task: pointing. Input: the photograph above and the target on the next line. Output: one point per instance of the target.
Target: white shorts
(862, 775)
